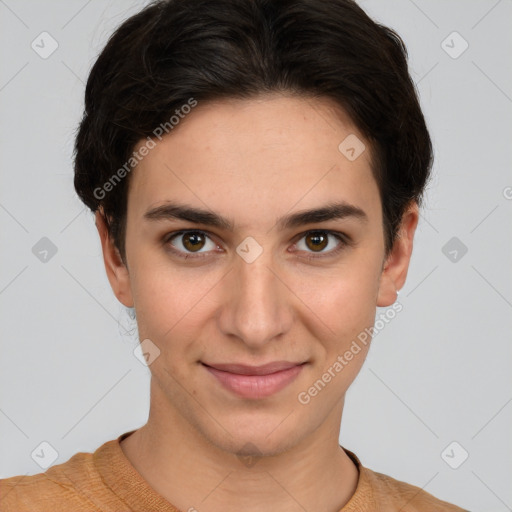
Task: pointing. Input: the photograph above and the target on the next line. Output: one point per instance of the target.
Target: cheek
(170, 313)
(170, 302)
(342, 299)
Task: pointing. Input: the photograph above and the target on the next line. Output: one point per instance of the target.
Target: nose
(257, 305)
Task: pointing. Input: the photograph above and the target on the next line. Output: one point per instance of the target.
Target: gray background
(438, 373)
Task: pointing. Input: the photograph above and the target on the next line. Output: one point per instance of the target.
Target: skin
(253, 161)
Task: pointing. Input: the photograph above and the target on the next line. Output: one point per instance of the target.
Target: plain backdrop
(438, 374)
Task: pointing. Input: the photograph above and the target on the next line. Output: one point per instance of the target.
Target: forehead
(245, 158)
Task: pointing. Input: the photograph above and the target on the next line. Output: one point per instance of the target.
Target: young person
(255, 168)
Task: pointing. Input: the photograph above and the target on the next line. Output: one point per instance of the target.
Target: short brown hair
(174, 50)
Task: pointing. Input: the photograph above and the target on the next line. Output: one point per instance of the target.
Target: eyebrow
(172, 210)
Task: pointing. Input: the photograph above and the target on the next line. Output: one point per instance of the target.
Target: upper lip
(265, 369)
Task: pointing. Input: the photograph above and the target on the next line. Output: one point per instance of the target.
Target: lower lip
(256, 386)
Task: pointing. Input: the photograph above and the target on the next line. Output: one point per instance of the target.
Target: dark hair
(175, 50)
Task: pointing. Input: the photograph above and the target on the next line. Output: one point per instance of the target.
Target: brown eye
(186, 243)
(322, 244)
(317, 240)
(193, 241)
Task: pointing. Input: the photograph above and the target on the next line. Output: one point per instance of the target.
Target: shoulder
(64, 486)
(376, 491)
(402, 496)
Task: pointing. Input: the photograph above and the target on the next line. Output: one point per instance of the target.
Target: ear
(117, 272)
(396, 266)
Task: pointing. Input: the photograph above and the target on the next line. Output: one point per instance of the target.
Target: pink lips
(255, 381)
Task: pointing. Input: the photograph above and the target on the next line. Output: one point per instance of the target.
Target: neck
(193, 473)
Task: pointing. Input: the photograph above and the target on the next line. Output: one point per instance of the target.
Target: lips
(265, 369)
(255, 382)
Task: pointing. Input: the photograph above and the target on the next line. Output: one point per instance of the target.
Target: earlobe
(396, 267)
(117, 272)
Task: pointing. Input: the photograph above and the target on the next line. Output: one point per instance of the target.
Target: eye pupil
(319, 240)
(192, 240)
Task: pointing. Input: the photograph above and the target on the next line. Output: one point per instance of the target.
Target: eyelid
(343, 239)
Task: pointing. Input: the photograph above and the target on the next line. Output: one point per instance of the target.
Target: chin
(253, 438)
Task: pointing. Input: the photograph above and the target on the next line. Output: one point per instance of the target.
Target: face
(259, 277)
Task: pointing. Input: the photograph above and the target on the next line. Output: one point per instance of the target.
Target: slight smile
(255, 382)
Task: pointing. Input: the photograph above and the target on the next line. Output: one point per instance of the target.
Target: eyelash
(343, 240)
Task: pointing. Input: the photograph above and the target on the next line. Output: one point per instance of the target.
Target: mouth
(255, 382)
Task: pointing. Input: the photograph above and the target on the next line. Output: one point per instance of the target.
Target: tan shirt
(106, 481)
